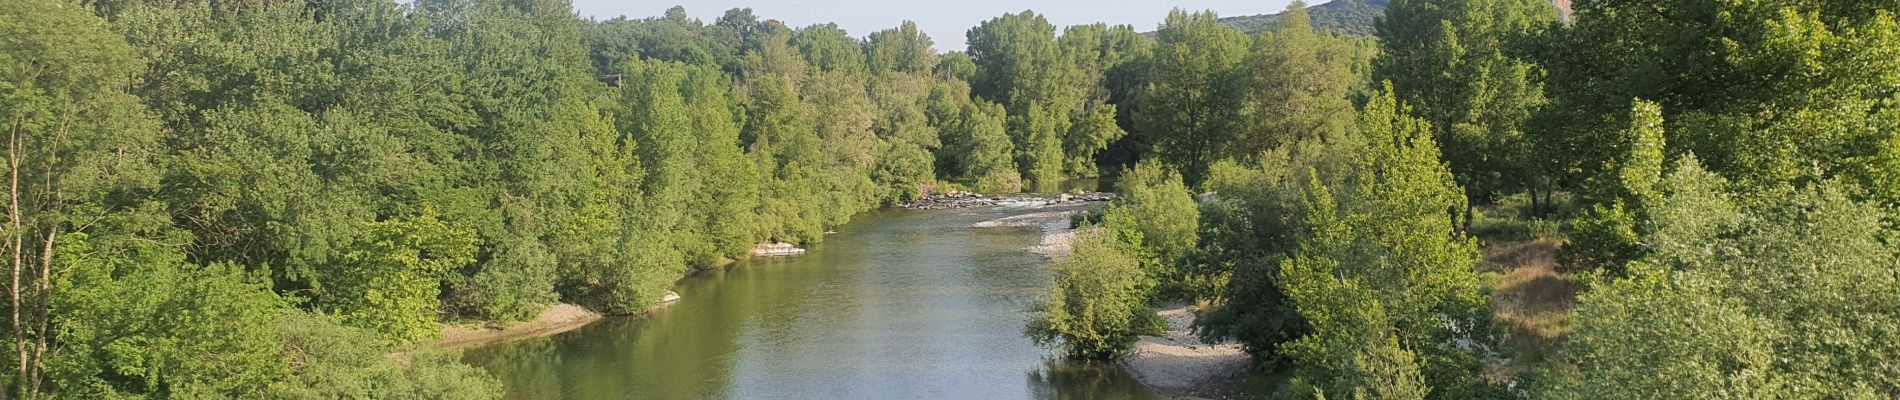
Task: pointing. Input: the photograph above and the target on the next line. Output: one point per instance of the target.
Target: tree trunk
(17, 236)
(1534, 209)
(46, 313)
(1468, 208)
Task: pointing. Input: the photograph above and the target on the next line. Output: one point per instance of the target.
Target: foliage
(1387, 246)
(1299, 83)
(390, 284)
(1054, 89)
(1155, 213)
(1098, 306)
(1663, 334)
(150, 324)
(1783, 298)
(268, 199)
(1188, 110)
(330, 361)
(1764, 92)
(1607, 238)
(1351, 17)
(1462, 65)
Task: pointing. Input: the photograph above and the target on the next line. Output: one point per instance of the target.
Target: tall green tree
(1188, 111)
(1351, 351)
(975, 143)
(903, 49)
(1774, 294)
(79, 149)
(1609, 236)
(1769, 92)
(1299, 82)
(724, 172)
(1392, 235)
(1160, 221)
(1463, 65)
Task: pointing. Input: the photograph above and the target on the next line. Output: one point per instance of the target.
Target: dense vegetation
(1720, 179)
(282, 199)
(1357, 17)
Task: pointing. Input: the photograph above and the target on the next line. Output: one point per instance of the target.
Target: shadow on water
(1067, 380)
(899, 304)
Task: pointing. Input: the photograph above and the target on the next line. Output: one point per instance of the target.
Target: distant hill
(1354, 17)
(1348, 16)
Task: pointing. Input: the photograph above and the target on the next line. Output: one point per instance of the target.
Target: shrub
(1098, 306)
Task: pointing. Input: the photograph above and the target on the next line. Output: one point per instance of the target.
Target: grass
(1530, 299)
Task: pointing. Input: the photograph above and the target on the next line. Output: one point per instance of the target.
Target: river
(898, 304)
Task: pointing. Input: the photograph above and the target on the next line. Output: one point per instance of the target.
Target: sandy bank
(556, 319)
(1178, 364)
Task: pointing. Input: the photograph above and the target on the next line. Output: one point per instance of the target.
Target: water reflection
(1077, 380)
(900, 304)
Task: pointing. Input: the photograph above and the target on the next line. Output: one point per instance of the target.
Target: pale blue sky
(944, 20)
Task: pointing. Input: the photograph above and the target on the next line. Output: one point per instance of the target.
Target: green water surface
(899, 304)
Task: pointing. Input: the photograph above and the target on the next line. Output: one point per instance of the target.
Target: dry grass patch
(1531, 299)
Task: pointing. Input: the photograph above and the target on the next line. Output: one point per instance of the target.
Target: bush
(1098, 306)
(332, 361)
(1604, 239)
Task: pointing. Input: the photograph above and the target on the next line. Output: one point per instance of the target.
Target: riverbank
(561, 317)
(557, 318)
(1176, 363)
(1179, 364)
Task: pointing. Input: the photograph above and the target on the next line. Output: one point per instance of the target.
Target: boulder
(776, 250)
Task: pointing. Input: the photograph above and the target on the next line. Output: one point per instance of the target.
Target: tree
(1098, 306)
(78, 149)
(975, 144)
(1663, 334)
(1053, 88)
(1095, 51)
(1461, 63)
(391, 282)
(902, 99)
(336, 361)
(724, 172)
(1254, 223)
(784, 146)
(1781, 91)
(828, 48)
(850, 145)
(1188, 109)
(1298, 83)
(903, 49)
(1608, 236)
(1742, 297)
(1161, 221)
(135, 320)
(1389, 239)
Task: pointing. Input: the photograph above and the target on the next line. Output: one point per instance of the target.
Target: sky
(944, 20)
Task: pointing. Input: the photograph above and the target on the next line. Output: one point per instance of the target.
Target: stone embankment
(960, 199)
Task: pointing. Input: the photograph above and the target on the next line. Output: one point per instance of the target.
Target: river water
(898, 304)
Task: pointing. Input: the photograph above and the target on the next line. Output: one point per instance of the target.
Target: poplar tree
(1299, 81)
(1462, 64)
(1188, 111)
